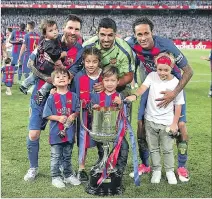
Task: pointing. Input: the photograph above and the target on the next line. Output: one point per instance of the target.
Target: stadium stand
(97, 2)
(184, 25)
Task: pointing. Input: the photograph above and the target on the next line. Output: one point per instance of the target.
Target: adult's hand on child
(166, 99)
(98, 87)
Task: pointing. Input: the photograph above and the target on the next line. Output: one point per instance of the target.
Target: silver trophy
(104, 129)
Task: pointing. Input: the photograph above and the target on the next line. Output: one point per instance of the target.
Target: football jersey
(120, 55)
(160, 45)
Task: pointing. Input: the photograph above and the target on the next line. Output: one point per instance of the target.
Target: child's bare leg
(82, 175)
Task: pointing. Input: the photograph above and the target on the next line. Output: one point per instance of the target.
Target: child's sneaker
(39, 97)
(23, 89)
(183, 174)
(171, 177)
(72, 180)
(82, 176)
(141, 170)
(156, 176)
(31, 174)
(58, 182)
(210, 94)
(8, 93)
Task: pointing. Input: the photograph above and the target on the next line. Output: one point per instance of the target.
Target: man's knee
(34, 135)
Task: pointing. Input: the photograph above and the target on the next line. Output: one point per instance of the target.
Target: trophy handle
(81, 119)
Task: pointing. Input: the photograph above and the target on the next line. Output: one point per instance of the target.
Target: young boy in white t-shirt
(158, 119)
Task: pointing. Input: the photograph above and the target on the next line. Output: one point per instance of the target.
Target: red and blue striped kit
(160, 45)
(8, 75)
(83, 86)
(15, 36)
(58, 104)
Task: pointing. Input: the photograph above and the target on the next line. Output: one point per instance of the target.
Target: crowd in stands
(172, 25)
(112, 2)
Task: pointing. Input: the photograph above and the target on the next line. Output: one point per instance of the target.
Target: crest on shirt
(69, 101)
(113, 61)
(57, 102)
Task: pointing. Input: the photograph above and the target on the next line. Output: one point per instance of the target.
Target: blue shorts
(8, 84)
(143, 103)
(36, 122)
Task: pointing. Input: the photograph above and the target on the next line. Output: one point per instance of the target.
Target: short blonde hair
(165, 55)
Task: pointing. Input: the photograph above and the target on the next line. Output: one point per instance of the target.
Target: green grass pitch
(14, 162)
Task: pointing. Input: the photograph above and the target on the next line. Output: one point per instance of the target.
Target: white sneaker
(58, 182)
(72, 180)
(183, 174)
(31, 174)
(156, 176)
(171, 177)
(8, 93)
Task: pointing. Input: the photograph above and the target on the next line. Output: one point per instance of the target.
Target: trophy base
(112, 185)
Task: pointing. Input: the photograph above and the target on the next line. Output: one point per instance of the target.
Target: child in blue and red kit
(110, 98)
(61, 109)
(83, 85)
(8, 75)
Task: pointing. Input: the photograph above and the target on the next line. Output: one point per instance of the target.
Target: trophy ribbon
(84, 137)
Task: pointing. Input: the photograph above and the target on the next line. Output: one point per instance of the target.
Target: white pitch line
(202, 74)
(194, 81)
